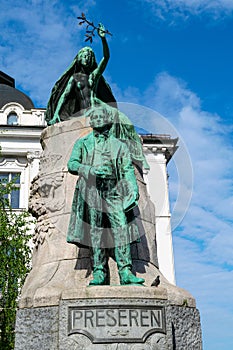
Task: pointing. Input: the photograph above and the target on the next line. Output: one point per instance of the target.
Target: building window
(14, 196)
(12, 119)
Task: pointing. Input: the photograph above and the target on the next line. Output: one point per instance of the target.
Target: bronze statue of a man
(106, 191)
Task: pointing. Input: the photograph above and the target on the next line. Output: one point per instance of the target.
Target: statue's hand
(102, 171)
(101, 30)
(56, 119)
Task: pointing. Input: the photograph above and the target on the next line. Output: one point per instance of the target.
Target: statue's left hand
(103, 171)
(101, 30)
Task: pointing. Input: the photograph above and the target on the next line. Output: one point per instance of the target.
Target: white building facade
(159, 150)
(20, 128)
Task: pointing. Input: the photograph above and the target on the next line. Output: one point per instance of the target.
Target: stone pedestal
(58, 310)
(112, 317)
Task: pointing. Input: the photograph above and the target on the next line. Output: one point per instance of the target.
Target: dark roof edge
(7, 79)
(4, 126)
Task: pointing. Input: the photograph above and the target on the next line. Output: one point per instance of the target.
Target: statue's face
(97, 120)
(85, 57)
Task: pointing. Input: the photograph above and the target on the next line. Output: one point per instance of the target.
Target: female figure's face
(85, 57)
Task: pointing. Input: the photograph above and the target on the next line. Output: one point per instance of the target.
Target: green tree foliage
(14, 263)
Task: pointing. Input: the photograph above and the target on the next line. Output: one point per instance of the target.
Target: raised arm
(106, 55)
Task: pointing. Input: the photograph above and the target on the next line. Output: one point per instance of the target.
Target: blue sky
(169, 56)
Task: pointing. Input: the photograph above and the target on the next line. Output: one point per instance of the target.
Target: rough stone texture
(37, 328)
(47, 327)
(186, 330)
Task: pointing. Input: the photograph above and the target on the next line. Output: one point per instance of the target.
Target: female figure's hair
(103, 91)
(93, 63)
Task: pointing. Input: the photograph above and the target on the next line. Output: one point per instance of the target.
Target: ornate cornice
(160, 144)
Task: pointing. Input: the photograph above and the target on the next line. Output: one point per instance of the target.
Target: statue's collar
(101, 133)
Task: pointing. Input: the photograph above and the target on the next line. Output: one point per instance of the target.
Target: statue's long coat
(86, 196)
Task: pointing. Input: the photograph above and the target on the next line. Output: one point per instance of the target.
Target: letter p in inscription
(77, 315)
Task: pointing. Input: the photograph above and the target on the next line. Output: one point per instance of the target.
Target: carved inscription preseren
(121, 324)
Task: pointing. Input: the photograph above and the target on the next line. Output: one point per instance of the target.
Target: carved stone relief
(49, 162)
(80, 342)
(46, 197)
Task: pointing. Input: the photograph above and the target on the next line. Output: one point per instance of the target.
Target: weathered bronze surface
(106, 194)
(73, 93)
(102, 214)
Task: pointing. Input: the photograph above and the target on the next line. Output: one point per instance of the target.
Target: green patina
(103, 210)
(102, 214)
(81, 87)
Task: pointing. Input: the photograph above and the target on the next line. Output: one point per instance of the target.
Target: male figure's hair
(108, 115)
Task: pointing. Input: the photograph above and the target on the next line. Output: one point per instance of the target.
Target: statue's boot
(124, 264)
(127, 277)
(99, 278)
(99, 272)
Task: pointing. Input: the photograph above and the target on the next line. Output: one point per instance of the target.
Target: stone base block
(141, 322)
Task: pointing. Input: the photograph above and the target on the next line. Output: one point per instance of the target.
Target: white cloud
(38, 40)
(185, 8)
(203, 243)
(212, 287)
(210, 216)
